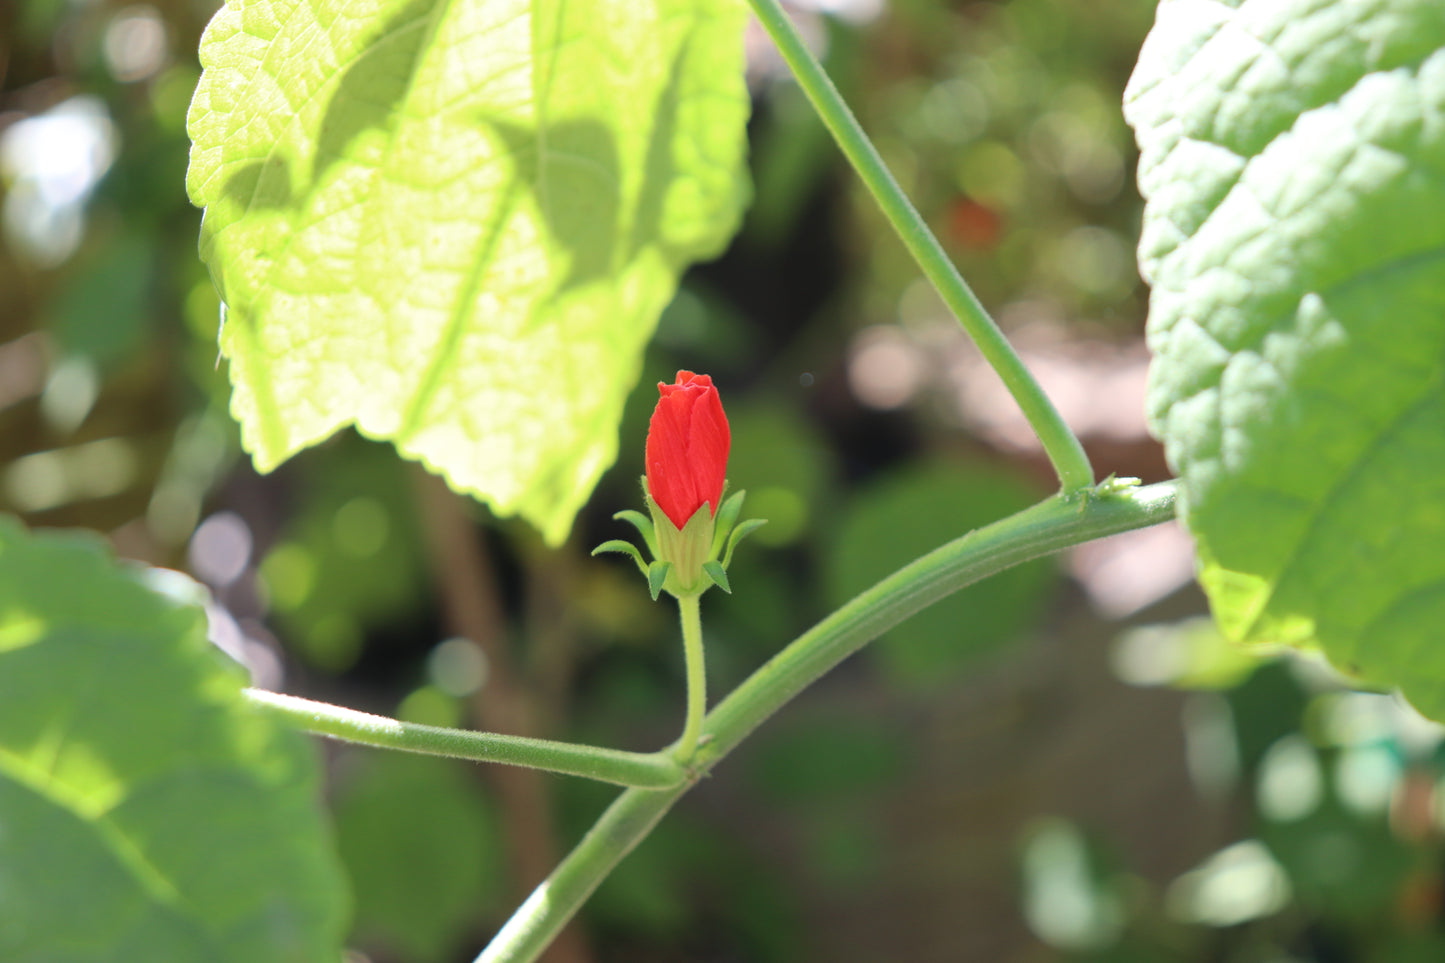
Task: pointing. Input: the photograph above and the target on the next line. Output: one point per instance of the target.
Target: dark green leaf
(786, 468)
(424, 851)
(351, 557)
(145, 812)
(827, 758)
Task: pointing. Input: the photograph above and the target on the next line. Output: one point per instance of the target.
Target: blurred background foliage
(1064, 763)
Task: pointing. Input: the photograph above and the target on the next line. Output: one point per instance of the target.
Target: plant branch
(1050, 526)
(1062, 446)
(650, 770)
(625, 823)
(692, 651)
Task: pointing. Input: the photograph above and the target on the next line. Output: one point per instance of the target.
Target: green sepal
(718, 574)
(643, 524)
(622, 547)
(727, 516)
(686, 548)
(656, 576)
(738, 534)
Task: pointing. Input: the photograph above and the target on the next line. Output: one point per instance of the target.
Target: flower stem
(687, 607)
(1062, 446)
(655, 770)
(1051, 525)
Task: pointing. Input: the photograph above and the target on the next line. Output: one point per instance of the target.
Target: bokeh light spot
(1064, 905)
(289, 572)
(430, 706)
(885, 368)
(69, 394)
(220, 549)
(50, 163)
(135, 43)
(785, 510)
(1235, 885)
(361, 527)
(1290, 785)
(49, 479)
(457, 667)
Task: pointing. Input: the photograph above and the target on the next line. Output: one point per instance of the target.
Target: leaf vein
(1360, 464)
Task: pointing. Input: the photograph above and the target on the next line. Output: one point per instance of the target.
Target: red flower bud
(687, 447)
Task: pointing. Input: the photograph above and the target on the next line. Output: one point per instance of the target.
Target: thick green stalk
(696, 676)
(1047, 527)
(1063, 447)
(538, 920)
(652, 770)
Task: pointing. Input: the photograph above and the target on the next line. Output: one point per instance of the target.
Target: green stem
(696, 676)
(538, 920)
(1063, 447)
(1050, 526)
(652, 770)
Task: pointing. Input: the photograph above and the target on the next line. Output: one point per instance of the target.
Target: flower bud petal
(687, 447)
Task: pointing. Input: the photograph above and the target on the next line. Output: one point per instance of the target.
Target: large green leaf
(145, 814)
(1293, 157)
(454, 224)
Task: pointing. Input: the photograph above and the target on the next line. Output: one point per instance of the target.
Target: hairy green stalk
(696, 676)
(651, 770)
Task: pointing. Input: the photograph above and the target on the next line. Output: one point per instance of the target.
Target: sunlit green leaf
(454, 225)
(1293, 155)
(145, 813)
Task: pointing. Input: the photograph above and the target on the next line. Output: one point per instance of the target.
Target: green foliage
(104, 313)
(1191, 654)
(1341, 865)
(1293, 155)
(1266, 707)
(1334, 792)
(145, 814)
(351, 557)
(829, 757)
(425, 220)
(453, 225)
(911, 513)
(424, 851)
(785, 467)
(697, 888)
